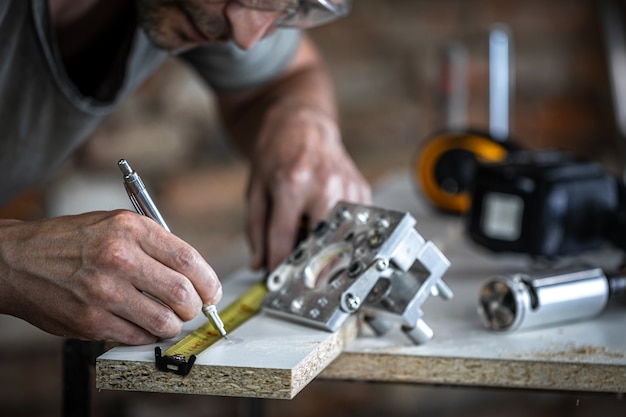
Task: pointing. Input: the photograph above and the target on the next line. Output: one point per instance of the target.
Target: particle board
(270, 358)
(585, 356)
(588, 355)
(265, 357)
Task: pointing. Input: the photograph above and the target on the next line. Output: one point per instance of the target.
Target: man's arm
(299, 167)
(86, 277)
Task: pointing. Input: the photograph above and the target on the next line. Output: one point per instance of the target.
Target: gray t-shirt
(44, 117)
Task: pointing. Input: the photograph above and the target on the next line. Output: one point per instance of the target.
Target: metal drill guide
(360, 258)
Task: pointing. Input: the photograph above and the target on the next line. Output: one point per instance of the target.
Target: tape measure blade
(235, 314)
(244, 307)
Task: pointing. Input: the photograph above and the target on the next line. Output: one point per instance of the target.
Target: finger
(123, 331)
(120, 330)
(256, 223)
(362, 188)
(359, 192)
(150, 315)
(168, 286)
(90, 322)
(283, 229)
(128, 333)
(126, 299)
(183, 261)
(366, 193)
(327, 198)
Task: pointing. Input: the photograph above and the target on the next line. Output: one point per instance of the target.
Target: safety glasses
(302, 14)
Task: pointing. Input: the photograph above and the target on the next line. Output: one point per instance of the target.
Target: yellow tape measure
(180, 357)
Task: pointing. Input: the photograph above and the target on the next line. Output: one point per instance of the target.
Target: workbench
(272, 358)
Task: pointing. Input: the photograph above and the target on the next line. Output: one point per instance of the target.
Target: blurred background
(384, 59)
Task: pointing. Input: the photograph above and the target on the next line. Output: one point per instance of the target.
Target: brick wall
(384, 59)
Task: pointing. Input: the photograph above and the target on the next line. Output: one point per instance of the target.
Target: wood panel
(264, 358)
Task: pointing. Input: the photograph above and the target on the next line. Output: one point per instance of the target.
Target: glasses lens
(313, 13)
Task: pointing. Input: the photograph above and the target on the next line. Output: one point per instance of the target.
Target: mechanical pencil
(144, 205)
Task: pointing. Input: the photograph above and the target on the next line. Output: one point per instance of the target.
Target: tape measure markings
(179, 357)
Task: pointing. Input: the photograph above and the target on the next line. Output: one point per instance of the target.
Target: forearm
(8, 257)
(298, 164)
(305, 87)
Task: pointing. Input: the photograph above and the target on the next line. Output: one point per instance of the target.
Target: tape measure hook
(178, 364)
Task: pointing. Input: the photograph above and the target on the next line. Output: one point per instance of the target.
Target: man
(67, 63)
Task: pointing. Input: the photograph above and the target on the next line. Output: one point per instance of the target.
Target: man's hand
(299, 167)
(288, 130)
(88, 276)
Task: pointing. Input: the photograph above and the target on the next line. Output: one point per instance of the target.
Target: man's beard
(164, 22)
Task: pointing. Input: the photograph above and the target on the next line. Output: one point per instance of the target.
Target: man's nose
(249, 25)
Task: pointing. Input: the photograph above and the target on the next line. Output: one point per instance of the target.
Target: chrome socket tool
(567, 294)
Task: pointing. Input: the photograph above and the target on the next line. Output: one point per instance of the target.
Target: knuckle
(123, 222)
(112, 253)
(123, 219)
(183, 298)
(165, 324)
(110, 249)
(181, 291)
(295, 177)
(294, 174)
(185, 258)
